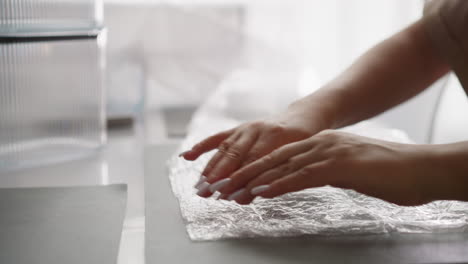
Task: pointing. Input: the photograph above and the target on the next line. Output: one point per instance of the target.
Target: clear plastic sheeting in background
(175, 56)
(190, 51)
(318, 211)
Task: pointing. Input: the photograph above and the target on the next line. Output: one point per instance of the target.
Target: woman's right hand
(248, 142)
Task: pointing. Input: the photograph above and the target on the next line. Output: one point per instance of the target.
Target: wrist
(310, 119)
(317, 111)
(446, 171)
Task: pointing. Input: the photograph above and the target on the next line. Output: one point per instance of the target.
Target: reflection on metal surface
(104, 173)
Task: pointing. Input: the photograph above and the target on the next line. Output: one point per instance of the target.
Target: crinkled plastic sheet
(323, 211)
(318, 211)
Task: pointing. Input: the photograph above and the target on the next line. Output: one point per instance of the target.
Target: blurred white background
(173, 54)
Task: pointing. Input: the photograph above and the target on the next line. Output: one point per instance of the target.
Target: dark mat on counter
(61, 225)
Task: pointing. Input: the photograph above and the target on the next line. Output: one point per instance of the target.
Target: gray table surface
(61, 225)
(168, 242)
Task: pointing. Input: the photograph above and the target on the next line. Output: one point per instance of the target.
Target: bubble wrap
(319, 211)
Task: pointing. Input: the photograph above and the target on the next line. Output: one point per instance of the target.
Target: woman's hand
(382, 169)
(247, 143)
(397, 173)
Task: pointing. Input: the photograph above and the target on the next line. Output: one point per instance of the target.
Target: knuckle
(268, 159)
(307, 171)
(277, 129)
(310, 142)
(224, 146)
(285, 168)
(256, 124)
(329, 135)
(327, 132)
(294, 160)
(341, 151)
(233, 153)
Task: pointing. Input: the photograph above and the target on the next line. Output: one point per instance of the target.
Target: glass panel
(41, 14)
(51, 101)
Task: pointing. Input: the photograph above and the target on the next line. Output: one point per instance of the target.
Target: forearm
(387, 75)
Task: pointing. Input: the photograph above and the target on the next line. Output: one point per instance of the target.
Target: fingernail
(200, 181)
(259, 189)
(183, 153)
(236, 195)
(220, 184)
(203, 188)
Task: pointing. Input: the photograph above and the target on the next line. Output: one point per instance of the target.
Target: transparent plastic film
(194, 47)
(318, 211)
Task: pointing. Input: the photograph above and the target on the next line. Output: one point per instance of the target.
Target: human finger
(291, 165)
(233, 153)
(263, 146)
(206, 145)
(314, 175)
(247, 194)
(203, 186)
(203, 190)
(219, 154)
(273, 160)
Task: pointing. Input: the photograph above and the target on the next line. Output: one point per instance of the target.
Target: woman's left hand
(397, 173)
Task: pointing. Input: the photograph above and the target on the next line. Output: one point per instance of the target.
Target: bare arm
(388, 74)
